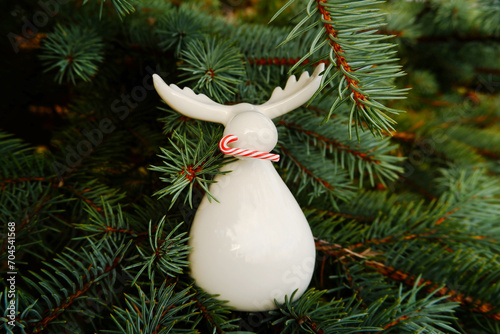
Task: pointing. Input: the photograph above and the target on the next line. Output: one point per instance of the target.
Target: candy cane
(242, 152)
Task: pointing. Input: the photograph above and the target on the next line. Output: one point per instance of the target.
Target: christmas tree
(394, 161)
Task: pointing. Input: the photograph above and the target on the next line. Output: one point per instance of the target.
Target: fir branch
(53, 313)
(490, 15)
(5, 182)
(472, 194)
(330, 143)
(454, 296)
(178, 28)
(106, 221)
(361, 62)
(396, 322)
(283, 61)
(74, 52)
(155, 313)
(340, 251)
(319, 180)
(307, 171)
(311, 314)
(32, 212)
(473, 264)
(213, 311)
(30, 205)
(443, 236)
(334, 214)
(458, 37)
(429, 313)
(214, 66)
(22, 311)
(208, 316)
(484, 141)
(165, 254)
(122, 7)
(347, 315)
(441, 221)
(346, 255)
(368, 206)
(369, 158)
(110, 229)
(81, 194)
(190, 162)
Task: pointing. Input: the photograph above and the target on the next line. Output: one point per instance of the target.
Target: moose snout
(255, 131)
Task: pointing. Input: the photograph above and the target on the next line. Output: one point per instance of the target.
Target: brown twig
(344, 253)
(305, 170)
(54, 313)
(341, 62)
(332, 143)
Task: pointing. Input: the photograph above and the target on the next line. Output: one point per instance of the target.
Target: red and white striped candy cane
(243, 152)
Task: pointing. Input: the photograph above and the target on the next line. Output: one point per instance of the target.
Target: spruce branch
(105, 222)
(472, 195)
(485, 141)
(490, 16)
(6, 182)
(358, 61)
(420, 257)
(92, 195)
(312, 315)
(312, 174)
(74, 52)
(122, 7)
(188, 162)
(157, 312)
(454, 296)
(87, 267)
(165, 254)
(178, 28)
(174, 122)
(24, 309)
(429, 242)
(468, 265)
(406, 314)
(215, 66)
(428, 314)
(346, 255)
(365, 158)
(324, 214)
(213, 311)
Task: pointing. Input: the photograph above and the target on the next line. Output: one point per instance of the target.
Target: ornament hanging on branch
(255, 245)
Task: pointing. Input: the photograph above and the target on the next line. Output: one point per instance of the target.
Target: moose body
(254, 245)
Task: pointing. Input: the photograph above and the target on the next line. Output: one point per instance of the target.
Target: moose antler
(295, 94)
(190, 104)
(200, 106)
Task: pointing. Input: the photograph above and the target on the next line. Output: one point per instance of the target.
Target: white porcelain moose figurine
(254, 245)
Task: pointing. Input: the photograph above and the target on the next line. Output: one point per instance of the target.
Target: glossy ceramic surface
(254, 245)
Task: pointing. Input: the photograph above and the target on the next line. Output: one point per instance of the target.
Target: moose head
(250, 123)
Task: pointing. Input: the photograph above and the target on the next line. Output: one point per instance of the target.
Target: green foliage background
(397, 174)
